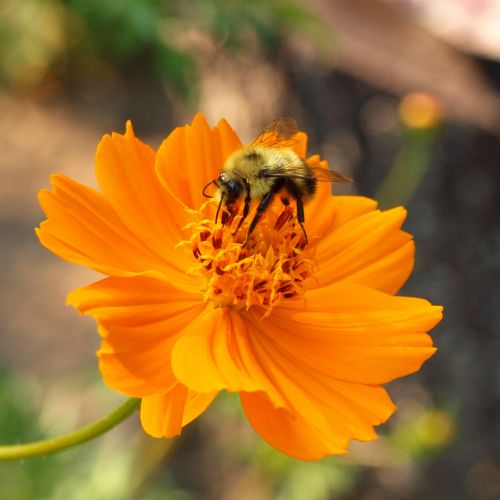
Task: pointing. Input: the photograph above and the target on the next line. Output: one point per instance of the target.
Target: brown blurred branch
(383, 47)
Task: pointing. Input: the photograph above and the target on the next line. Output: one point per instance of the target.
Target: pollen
(272, 265)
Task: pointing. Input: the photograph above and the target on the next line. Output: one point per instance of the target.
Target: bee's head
(230, 189)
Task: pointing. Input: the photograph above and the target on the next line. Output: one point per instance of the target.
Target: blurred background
(401, 95)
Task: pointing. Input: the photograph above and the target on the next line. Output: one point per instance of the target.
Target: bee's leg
(300, 216)
(218, 208)
(246, 209)
(260, 210)
(228, 215)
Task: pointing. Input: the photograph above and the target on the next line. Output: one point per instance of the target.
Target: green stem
(409, 168)
(29, 450)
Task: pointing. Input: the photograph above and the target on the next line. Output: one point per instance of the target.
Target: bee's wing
(324, 174)
(292, 172)
(280, 133)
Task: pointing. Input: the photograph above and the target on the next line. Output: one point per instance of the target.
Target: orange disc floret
(272, 265)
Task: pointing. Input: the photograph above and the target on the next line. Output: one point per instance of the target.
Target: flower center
(272, 265)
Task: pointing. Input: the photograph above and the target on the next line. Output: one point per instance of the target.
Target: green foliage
(31, 39)
(79, 37)
(117, 30)
(426, 435)
(106, 468)
(19, 423)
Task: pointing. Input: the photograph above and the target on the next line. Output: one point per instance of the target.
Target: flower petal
(326, 216)
(83, 228)
(125, 170)
(353, 333)
(335, 410)
(191, 156)
(321, 418)
(217, 353)
(369, 249)
(324, 409)
(286, 431)
(140, 318)
(164, 415)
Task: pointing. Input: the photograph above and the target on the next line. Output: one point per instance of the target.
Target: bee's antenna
(211, 182)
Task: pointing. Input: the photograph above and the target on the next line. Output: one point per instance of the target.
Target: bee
(266, 168)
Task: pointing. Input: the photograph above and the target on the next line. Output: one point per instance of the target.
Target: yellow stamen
(272, 265)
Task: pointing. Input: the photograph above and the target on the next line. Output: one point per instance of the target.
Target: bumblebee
(268, 167)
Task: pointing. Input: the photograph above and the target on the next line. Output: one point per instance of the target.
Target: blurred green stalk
(421, 115)
(409, 167)
(55, 445)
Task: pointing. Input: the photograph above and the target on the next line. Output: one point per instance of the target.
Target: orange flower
(306, 334)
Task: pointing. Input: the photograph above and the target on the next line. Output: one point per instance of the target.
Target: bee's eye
(233, 186)
(233, 190)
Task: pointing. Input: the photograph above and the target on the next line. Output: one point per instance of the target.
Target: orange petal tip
(129, 129)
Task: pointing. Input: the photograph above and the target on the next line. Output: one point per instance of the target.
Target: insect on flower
(265, 168)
